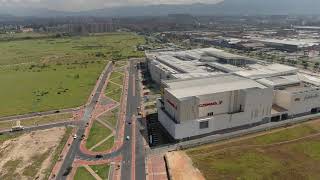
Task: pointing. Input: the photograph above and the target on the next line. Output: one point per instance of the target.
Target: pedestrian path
(101, 142)
(94, 174)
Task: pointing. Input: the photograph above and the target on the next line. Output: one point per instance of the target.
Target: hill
(226, 7)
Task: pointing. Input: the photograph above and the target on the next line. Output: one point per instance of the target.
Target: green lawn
(111, 118)
(83, 174)
(98, 132)
(120, 64)
(117, 77)
(105, 145)
(263, 159)
(114, 91)
(55, 73)
(101, 170)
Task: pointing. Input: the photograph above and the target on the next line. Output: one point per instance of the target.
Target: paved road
(43, 127)
(36, 114)
(125, 150)
(75, 146)
(133, 102)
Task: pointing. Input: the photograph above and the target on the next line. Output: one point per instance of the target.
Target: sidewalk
(62, 156)
(121, 121)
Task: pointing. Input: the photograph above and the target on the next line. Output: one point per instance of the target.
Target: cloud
(77, 5)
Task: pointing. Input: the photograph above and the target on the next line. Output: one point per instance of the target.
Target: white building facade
(234, 93)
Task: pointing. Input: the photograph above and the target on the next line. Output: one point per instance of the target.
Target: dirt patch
(33, 151)
(180, 167)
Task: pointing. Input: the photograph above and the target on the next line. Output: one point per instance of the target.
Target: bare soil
(181, 168)
(32, 150)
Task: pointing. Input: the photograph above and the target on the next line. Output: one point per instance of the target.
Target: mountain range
(226, 7)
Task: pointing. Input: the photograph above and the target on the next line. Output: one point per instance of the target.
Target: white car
(128, 137)
(75, 136)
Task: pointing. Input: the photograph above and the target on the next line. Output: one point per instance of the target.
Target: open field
(69, 49)
(40, 120)
(56, 73)
(289, 153)
(98, 132)
(21, 160)
(24, 36)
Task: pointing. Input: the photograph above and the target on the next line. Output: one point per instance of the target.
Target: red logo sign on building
(215, 103)
(172, 104)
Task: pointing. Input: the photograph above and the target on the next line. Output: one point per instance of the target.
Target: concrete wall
(216, 103)
(157, 73)
(257, 106)
(298, 103)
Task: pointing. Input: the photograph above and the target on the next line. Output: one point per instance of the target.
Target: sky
(80, 5)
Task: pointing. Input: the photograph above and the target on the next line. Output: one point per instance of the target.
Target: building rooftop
(300, 88)
(209, 85)
(295, 42)
(280, 80)
(256, 71)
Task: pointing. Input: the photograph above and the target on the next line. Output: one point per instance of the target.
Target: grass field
(24, 36)
(115, 84)
(101, 170)
(83, 174)
(41, 120)
(117, 77)
(98, 132)
(55, 73)
(111, 118)
(108, 144)
(292, 153)
(114, 91)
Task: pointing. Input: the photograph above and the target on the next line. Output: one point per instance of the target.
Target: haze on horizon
(83, 5)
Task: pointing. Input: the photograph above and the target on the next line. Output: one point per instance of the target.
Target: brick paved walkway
(156, 168)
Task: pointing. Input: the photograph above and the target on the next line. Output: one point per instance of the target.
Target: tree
(305, 64)
(316, 65)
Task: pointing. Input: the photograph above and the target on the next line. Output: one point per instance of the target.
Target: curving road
(132, 151)
(75, 146)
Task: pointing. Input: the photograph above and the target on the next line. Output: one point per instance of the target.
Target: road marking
(133, 86)
(133, 150)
